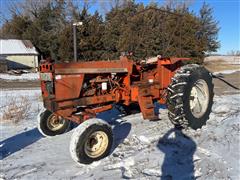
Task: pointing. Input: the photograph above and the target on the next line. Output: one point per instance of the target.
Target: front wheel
(91, 141)
(190, 97)
(50, 124)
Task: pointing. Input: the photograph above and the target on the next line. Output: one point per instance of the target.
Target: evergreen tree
(208, 29)
(145, 31)
(90, 37)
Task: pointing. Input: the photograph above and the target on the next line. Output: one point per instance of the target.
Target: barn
(18, 54)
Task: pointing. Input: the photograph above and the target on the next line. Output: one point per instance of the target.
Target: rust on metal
(78, 91)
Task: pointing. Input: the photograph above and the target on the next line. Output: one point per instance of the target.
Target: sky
(226, 12)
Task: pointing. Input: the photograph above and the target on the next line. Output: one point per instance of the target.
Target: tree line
(144, 30)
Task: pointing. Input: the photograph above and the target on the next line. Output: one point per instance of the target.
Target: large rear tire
(91, 141)
(190, 97)
(51, 125)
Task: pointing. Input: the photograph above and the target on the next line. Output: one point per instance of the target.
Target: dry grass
(16, 110)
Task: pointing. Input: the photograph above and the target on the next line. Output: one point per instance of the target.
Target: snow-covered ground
(142, 150)
(226, 72)
(27, 76)
(6, 96)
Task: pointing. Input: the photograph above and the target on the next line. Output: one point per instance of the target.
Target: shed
(3, 65)
(19, 54)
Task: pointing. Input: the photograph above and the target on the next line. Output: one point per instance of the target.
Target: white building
(19, 54)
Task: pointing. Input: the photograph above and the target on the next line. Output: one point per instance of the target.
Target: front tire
(190, 97)
(91, 141)
(50, 124)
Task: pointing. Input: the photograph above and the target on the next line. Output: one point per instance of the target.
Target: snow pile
(26, 76)
(125, 165)
(152, 172)
(144, 140)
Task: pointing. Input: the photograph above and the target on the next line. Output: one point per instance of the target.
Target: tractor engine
(97, 85)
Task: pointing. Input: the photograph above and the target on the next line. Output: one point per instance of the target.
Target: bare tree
(234, 53)
(31, 7)
(176, 4)
(107, 5)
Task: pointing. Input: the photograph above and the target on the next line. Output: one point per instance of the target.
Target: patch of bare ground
(221, 88)
(16, 84)
(221, 65)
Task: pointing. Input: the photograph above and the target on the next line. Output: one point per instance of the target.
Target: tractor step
(147, 107)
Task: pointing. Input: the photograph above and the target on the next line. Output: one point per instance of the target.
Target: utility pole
(75, 39)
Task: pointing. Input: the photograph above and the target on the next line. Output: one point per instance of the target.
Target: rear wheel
(50, 124)
(190, 97)
(91, 141)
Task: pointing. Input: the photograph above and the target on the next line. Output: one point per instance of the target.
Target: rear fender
(167, 68)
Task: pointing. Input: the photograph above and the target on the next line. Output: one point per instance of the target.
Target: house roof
(17, 47)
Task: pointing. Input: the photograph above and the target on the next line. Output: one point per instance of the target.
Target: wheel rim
(54, 123)
(199, 98)
(96, 144)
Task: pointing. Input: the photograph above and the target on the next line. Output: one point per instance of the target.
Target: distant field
(221, 63)
(223, 59)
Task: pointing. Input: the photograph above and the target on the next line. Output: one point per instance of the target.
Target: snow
(126, 163)
(27, 76)
(152, 172)
(204, 151)
(144, 140)
(142, 150)
(125, 166)
(6, 96)
(226, 72)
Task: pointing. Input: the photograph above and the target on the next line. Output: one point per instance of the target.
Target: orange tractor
(78, 91)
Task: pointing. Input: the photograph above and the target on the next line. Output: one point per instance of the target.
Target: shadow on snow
(18, 142)
(121, 130)
(179, 150)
